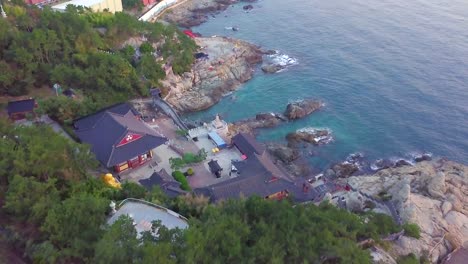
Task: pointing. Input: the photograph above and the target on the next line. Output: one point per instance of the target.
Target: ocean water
(393, 73)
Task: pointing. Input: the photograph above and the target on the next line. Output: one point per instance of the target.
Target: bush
(412, 230)
(181, 132)
(188, 158)
(146, 48)
(133, 190)
(408, 259)
(190, 172)
(179, 176)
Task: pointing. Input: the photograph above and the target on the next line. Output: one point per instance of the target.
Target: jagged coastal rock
(229, 63)
(432, 194)
(315, 136)
(195, 12)
(262, 120)
(300, 109)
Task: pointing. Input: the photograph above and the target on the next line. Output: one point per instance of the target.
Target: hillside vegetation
(83, 50)
(54, 210)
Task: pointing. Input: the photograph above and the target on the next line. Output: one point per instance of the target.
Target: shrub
(412, 230)
(179, 176)
(182, 132)
(133, 190)
(190, 172)
(408, 259)
(146, 48)
(188, 158)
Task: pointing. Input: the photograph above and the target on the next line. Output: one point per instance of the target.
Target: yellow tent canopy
(110, 181)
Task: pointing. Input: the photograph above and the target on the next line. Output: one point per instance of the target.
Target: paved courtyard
(202, 175)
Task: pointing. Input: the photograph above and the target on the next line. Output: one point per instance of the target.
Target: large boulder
(436, 186)
(300, 109)
(272, 68)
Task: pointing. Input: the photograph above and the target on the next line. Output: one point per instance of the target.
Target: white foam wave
(282, 59)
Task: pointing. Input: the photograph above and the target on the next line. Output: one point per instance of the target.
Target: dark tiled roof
(257, 176)
(105, 130)
(21, 106)
(90, 120)
(165, 181)
(247, 144)
(214, 166)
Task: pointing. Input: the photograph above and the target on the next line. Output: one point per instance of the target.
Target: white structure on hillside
(217, 125)
(2, 11)
(95, 5)
(220, 126)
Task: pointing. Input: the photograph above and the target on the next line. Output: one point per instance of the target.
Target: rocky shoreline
(433, 194)
(225, 63)
(195, 12)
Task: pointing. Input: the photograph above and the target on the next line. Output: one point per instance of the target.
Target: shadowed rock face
(432, 194)
(302, 108)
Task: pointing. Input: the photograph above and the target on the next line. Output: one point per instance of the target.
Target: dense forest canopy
(54, 209)
(83, 50)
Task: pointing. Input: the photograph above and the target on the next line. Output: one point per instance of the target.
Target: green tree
(7, 77)
(151, 70)
(29, 199)
(75, 225)
(119, 243)
(146, 47)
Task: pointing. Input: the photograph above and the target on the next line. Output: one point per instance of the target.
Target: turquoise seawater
(393, 73)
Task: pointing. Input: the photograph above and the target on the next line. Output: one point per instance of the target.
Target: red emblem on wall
(129, 138)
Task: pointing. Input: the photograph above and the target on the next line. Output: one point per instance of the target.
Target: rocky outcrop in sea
(315, 136)
(302, 108)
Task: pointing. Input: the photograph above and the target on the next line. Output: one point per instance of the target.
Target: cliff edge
(432, 194)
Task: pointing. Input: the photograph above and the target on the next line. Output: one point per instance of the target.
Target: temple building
(118, 138)
(18, 110)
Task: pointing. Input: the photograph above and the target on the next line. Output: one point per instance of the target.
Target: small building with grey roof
(165, 181)
(144, 213)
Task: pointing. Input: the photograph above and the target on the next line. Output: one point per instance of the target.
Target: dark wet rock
(310, 135)
(401, 163)
(262, 120)
(423, 157)
(300, 109)
(247, 7)
(270, 52)
(345, 169)
(381, 164)
(283, 153)
(272, 68)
